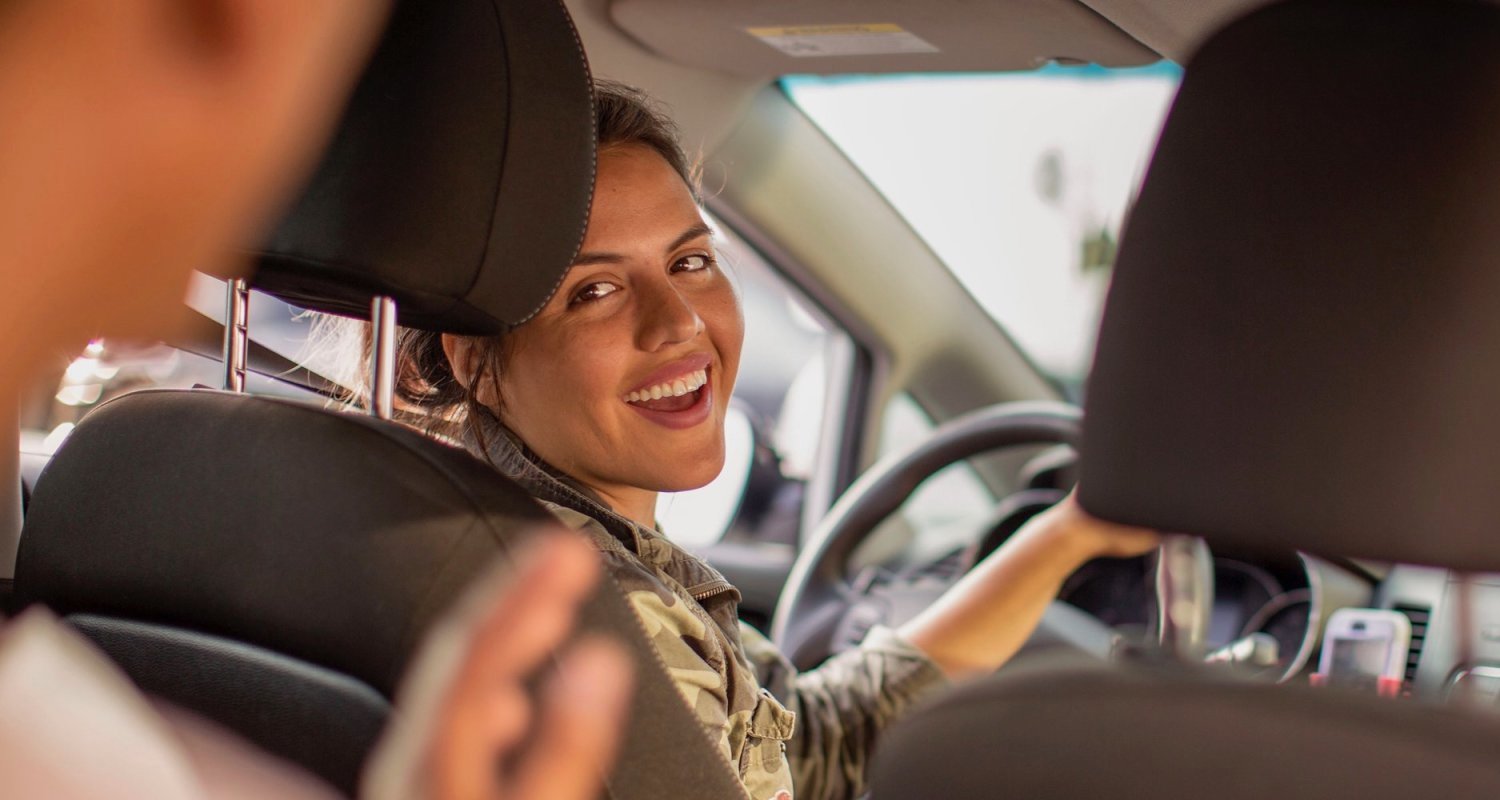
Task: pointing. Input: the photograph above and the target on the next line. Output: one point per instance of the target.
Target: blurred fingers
(486, 712)
(579, 725)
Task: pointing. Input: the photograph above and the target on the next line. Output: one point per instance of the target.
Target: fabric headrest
(460, 177)
(1298, 349)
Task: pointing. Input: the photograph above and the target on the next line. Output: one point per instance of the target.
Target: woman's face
(622, 380)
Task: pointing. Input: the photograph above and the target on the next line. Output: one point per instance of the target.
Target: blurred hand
(145, 139)
(568, 741)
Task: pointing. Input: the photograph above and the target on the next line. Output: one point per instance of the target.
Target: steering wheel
(818, 597)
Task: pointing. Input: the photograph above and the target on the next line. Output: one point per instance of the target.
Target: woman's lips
(675, 370)
(695, 413)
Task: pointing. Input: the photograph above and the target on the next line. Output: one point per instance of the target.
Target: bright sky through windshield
(1017, 181)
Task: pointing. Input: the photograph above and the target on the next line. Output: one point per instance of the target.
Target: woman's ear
(466, 358)
(462, 358)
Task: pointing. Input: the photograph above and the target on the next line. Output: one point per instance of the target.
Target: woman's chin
(701, 474)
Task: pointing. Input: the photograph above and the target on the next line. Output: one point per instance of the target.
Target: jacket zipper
(714, 592)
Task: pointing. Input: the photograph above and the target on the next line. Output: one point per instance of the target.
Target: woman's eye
(593, 291)
(693, 263)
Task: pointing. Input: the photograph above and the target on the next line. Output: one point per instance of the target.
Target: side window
(776, 425)
(109, 368)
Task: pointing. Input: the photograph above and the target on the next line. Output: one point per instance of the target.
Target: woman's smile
(679, 411)
(678, 395)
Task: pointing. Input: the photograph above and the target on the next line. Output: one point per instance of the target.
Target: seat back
(223, 549)
(273, 567)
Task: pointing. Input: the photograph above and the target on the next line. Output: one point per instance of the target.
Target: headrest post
(236, 333)
(1183, 565)
(1463, 622)
(382, 356)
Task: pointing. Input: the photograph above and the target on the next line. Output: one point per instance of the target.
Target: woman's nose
(667, 317)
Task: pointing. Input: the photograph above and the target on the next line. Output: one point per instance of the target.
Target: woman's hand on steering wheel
(988, 614)
(1089, 534)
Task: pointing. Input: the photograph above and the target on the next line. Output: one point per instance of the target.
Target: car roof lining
(675, 49)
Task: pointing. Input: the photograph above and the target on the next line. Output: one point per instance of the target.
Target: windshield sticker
(803, 41)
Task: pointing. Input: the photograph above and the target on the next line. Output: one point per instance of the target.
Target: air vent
(1419, 616)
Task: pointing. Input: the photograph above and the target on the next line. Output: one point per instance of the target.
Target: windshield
(1018, 181)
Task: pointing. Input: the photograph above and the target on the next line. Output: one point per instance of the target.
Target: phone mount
(1385, 687)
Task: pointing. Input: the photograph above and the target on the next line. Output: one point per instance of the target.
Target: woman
(617, 389)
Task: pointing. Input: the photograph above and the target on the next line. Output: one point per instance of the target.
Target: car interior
(1290, 364)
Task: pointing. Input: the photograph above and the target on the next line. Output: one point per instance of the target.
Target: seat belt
(665, 752)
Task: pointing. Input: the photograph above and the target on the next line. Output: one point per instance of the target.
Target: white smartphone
(1365, 648)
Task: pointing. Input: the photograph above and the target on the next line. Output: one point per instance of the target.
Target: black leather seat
(1298, 351)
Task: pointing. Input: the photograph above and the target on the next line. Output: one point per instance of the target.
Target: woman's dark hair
(428, 393)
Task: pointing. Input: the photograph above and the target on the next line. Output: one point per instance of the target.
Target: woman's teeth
(688, 383)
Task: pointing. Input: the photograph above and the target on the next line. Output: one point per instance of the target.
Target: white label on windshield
(802, 41)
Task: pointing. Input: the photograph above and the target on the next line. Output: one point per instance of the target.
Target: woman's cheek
(594, 364)
(730, 339)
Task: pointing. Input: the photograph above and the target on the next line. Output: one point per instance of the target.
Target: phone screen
(1360, 656)
(1359, 663)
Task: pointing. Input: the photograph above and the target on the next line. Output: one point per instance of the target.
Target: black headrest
(160, 508)
(460, 177)
(1299, 345)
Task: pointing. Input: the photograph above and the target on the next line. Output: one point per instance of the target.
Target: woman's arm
(985, 618)
(844, 705)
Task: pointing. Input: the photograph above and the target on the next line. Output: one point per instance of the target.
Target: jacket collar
(502, 448)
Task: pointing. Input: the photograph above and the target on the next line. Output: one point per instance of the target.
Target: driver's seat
(1297, 353)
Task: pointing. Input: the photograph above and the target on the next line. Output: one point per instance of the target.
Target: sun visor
(1300, 344)
(768, 38)
(459, 179)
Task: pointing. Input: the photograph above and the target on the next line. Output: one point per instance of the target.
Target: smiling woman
(616, 390)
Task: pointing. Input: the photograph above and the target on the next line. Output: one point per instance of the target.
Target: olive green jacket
(810, 733)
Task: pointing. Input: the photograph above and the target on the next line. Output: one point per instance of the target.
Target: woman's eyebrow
(596, 257)
(690, 234)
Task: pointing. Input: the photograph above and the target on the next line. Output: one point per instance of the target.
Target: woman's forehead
(640, 202)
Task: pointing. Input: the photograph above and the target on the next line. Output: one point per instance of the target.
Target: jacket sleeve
(843, 706)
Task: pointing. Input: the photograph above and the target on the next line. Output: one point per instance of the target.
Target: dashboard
(1281, 596)
(1281, 599)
